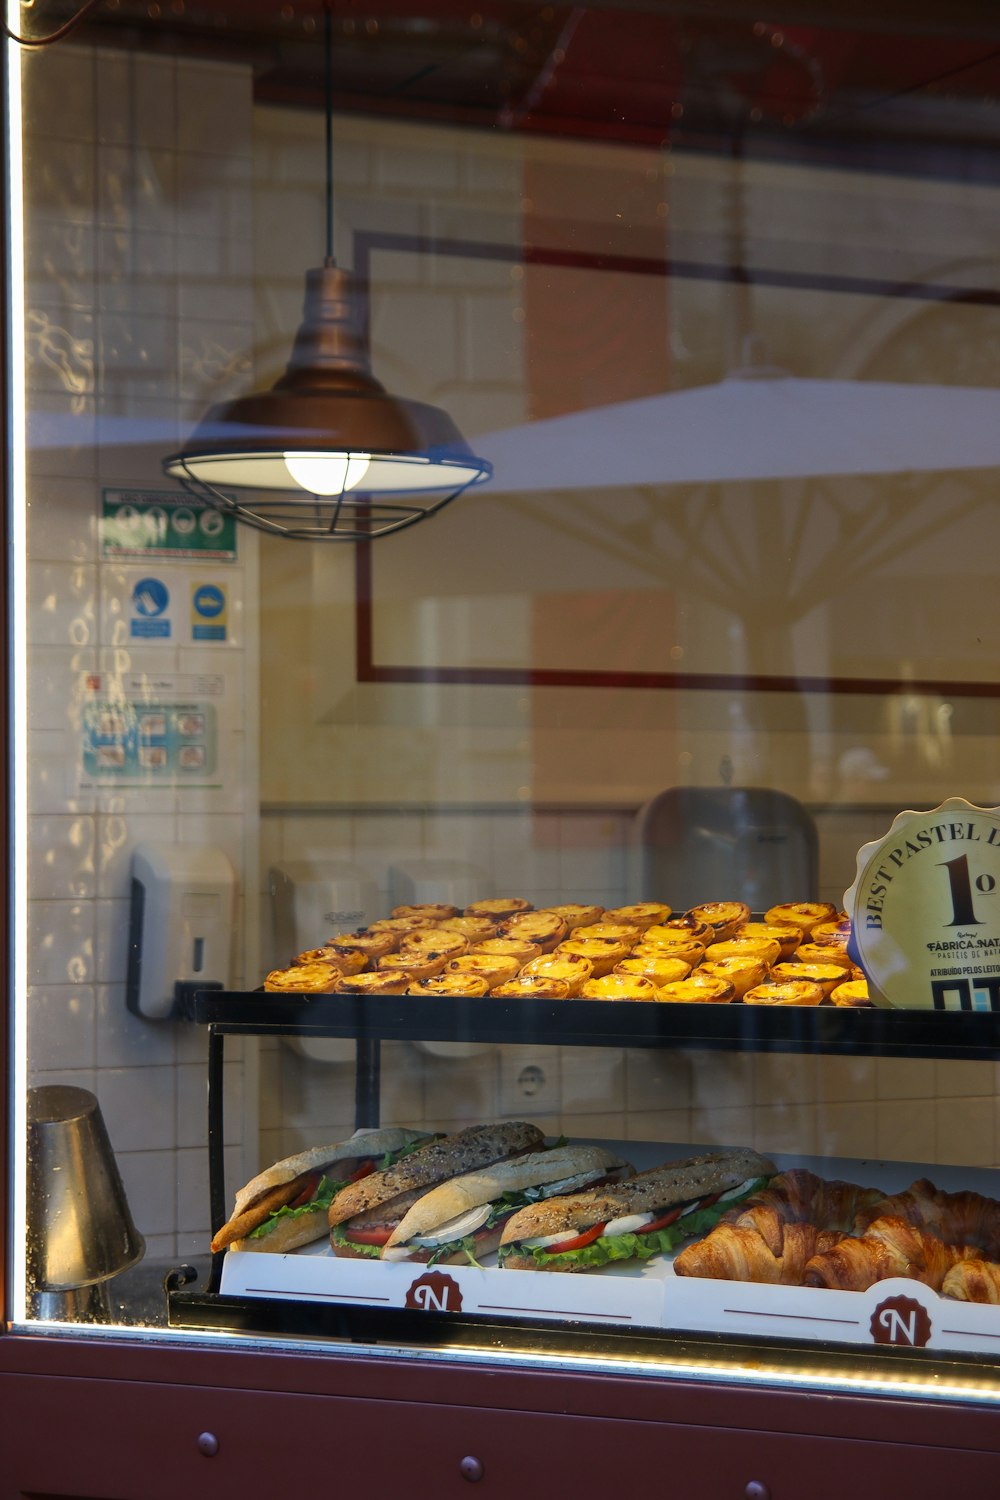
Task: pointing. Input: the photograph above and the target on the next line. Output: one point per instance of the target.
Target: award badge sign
(925, 910)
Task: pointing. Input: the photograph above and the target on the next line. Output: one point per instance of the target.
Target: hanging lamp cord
(328, 81)
(59, 33)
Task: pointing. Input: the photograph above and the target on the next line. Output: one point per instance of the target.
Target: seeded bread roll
(477, 1146)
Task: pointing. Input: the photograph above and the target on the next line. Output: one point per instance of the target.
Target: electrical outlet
(529, 1081)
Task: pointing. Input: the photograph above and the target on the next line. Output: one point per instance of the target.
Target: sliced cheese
(627, 1224)
(456, 1228)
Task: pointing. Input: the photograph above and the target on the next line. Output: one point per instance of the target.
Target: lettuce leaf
(610, 1248)
(338, 1236)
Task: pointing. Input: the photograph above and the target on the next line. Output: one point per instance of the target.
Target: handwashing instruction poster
(154, 729)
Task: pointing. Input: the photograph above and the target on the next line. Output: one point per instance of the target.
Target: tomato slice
(367, 1236)
(663, 1221)
(577, 1243)
(365, 1170)
(307, 1190)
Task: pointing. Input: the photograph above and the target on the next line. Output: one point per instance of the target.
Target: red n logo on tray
(900, 1320)
(435, 1292)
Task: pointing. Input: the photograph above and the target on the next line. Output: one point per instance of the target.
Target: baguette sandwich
(364, 1214)
(461, 1220)
(646, 1215)
(287, 1205)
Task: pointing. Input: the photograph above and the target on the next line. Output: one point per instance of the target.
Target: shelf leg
(367, 1075)
(216, 1155)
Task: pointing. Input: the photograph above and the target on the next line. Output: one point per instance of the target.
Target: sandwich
(364, 1214)
(287, 1205)
(644, 1216)
(460, 1221)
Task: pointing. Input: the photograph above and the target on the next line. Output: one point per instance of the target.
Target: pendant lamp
(327, 454)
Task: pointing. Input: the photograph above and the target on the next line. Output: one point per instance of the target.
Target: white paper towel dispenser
(182, 908)
(312, 900)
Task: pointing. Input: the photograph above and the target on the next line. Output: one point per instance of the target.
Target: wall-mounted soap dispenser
(181, 916)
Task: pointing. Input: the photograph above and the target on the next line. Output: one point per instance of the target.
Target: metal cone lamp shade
(327, 454)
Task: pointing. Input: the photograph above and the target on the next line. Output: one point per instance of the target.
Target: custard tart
(641, 914)
(471, 985)
(784, 992)
(699, 989)
(568, 968)
(312, 978)
(497, 908)
(803, 914)
(601, 953)
(724, 917)
(541, 927)
(620, 987)
(426, 911)
(531, 987)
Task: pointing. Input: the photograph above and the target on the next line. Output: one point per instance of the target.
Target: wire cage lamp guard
(327, 454)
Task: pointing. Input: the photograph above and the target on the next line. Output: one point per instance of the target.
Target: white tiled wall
(137, 176)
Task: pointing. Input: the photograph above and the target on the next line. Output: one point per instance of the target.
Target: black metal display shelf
(603, 1023)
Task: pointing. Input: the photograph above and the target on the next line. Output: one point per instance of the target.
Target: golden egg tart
(697, 930)
(347, 960)
(311, 956)
(493, 967)
(426, 911)
(827, 976)
(309, 978)
(689, 953)
(601, 953)
(767, 949)
(661, 970)
(412, 965)
(785, 934)
(531, 987)
(672, 937)
(743, 971)
(699, 989)
(568, 968)
(853, 992)
(616, 986)
(498, 908)
(576, 914)
(620, 932)
(433, 942)
(375, 982)
(641, 914)
(724, 917)
(372, 944)
(474, 929)
(541, 927)
(784, 992)
(518, 948)
(803, 914)
(822, 953)
(398, 925)
(445, 983)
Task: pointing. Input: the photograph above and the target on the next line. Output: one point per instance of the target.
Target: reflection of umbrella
(752, 426)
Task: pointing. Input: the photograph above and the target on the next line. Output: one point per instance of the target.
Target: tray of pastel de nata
(644, 1235)
(642, 974)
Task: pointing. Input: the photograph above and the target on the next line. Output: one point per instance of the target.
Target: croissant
(958, 1218)
(973, 1281)
(800, 1196)
(890, 1247)
(736, 1253)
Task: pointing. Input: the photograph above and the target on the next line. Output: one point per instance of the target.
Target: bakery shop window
(596, 878)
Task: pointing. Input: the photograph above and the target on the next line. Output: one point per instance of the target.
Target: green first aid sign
(141, 523)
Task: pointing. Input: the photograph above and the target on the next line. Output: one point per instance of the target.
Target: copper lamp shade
(327, 452)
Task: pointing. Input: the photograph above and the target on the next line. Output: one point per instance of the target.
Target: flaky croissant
(973, 1281)
(733, 1252)
(957, 1218)
(799, 1196)
(889, 1247)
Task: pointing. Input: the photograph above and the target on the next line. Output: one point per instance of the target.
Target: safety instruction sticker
(161, 730)
(162, 524)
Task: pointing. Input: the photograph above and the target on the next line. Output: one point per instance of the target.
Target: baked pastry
(432, 942)
(493, 967)
(785, 934)
(661, 970)
(543, 928)
(576, 915)
(398, 925)
(827, 976)
(411, 964)
(766, 949)
(964, 1218)
(973, 1281)
(831, 937)
(699, 989)
(348, 962)
(518, 948)
(601, 952)
(688, 952)
(733, 1253)
(569, 968)
(616, 986)
(692, 927)
(889, 1247)
(724, 917)
(742, 971)
(821, 953)
(619, 932)
(798, 1195)
(784, 992)
(372, 944)
(312, 978)
(426, 911)
(531, 987)
(497, 908)
(374, 982)
(802, 914)
(641, 914)
(450, 983)
(853, 992)
(474, 929)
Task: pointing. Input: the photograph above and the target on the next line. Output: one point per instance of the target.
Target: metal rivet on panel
(471, 1468)
(208, 1444)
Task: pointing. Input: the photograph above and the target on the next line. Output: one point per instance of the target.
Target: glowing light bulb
(327, 473)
